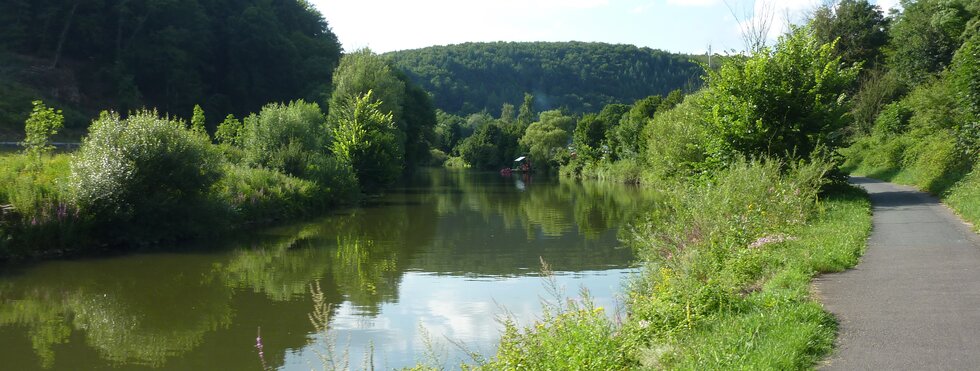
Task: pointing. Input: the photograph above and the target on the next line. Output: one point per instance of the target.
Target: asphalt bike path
(913, 302)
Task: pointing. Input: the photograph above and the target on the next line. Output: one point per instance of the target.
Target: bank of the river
(727, 266)
(444, 254)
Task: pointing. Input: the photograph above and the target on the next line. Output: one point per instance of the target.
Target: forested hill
(230, 56)
(579, 76)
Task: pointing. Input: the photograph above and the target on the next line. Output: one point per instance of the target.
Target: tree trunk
(64, 34)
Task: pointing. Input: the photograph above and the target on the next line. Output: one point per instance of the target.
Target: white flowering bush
(144, 174)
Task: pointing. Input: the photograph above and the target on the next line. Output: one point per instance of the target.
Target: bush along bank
(754, 209)
(143, 178)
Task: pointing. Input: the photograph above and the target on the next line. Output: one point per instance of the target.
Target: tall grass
(727, 263)
(37, 216)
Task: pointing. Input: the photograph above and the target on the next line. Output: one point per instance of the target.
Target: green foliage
(678, 139)
(926, 35)
(964, 197)
(779, 102)
(569, 336)
(673, 99)
(526, 115)
(877, 90)
(588, 137)
(144, 177)
(284, 136)
(448, 131)
(257, 194)
(363, 71)
(437, 158)
(164, 54)
(964, 76)
(481, 150)
(230, 131)
(893, 119)
(582, 77)
(420, 122)
(545, 141)
(366, 138)
(456, 163)
(198, 124)
(37, 215)
(858, 27)
(39, 127)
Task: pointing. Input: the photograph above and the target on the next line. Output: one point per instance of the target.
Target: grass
(776, 323)
(930, 162)
(728, 263)
(37, 217)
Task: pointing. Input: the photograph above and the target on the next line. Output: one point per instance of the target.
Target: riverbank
(41, 219)
(727, 267)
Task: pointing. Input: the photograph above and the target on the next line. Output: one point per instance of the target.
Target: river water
(419, 275)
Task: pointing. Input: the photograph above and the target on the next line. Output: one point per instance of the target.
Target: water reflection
(445, 252)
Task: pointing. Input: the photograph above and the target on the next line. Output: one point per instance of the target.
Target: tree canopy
(578, 76)
(230, 56)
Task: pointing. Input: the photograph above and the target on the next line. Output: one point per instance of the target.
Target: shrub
(229, 131)
(144, 177)
(456, 162)
(676, 140)
(437, 157)
(283, 136)
(780, 102)
(367, 140)
(893, 119)
(39, 127)
(257, 194)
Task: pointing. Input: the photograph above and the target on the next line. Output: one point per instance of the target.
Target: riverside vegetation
(748, 166)
(918, 115)
(145, 177)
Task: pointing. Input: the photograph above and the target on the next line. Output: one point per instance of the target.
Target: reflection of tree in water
(490, 226)
(156, 309)
(139, 313)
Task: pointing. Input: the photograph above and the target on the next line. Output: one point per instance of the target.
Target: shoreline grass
(728, 265)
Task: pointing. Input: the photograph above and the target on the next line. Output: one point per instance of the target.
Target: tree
(229, 131)
(284, 136)
(544, 142)
(197, 121)
(526, 115)
(860, 29)
(363, 71)
(365, 137)
(964, 76)
(588, 137)
(144, 177)
(780, 102)
(482, 149)
(925, 37)
(507, 113)
(39, 127)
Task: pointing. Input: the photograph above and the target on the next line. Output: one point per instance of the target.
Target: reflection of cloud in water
(452, 309)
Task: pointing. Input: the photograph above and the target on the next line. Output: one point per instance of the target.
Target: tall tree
(859, 27)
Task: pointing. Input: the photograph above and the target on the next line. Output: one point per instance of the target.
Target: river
(419, 275)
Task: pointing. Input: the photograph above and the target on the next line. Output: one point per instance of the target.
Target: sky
(687, 26)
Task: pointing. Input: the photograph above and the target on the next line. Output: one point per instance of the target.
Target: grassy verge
(726, 280)
(931, 162)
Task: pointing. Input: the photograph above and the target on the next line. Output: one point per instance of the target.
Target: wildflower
(765, 240)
